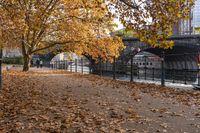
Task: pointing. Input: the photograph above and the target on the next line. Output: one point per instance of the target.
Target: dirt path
(67, 102)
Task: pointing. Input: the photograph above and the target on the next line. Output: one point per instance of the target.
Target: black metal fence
(71, 65)
(165, 68)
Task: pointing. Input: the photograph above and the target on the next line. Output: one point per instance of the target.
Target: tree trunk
(26, 56)
(27, 60)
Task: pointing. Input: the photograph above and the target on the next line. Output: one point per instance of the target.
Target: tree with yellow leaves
(152, 20)
(67, 25)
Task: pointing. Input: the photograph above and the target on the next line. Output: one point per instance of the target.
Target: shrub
(13, 60)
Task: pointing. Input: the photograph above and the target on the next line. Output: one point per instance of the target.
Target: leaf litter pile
(62, 102)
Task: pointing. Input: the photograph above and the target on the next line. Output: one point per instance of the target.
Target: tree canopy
(152, 20)
(80, 26)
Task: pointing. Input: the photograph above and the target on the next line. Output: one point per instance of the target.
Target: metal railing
(135, 69)
(71, 65)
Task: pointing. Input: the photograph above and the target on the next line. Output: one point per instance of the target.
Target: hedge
(13, 60)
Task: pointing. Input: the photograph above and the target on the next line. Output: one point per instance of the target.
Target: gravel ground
(63, 102)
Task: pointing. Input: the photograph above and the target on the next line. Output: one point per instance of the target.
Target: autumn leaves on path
(70, 103)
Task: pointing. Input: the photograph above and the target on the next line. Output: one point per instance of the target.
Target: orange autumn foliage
(64, 25)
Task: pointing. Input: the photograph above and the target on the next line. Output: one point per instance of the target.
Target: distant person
(37, 63)
(41, 63)
(31, 63)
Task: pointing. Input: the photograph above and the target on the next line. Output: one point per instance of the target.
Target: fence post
(173, 74)
(131, 68)
(138, 72)
(163, 69)
(198, 72)
(1, 68)
(90, 66)
(65, 64)
(106, 69)
(198, 76)
(100, 67)
(114, 68)
(71, 66)
(75, 65)
(153, 73)
(185, 68)
(82, 65)
(145, 67)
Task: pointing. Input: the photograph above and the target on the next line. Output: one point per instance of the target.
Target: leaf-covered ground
(61, 102)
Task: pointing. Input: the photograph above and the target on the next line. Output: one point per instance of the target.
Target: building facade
(190, 26)
(16, 52)
(196, 18)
